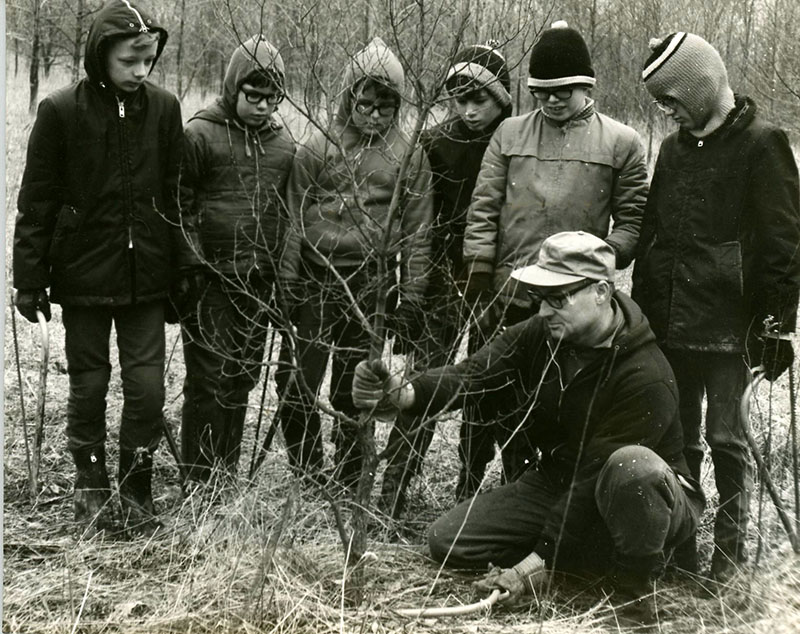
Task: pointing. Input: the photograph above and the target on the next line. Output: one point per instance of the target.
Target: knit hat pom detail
(655, 42)
(559, 24)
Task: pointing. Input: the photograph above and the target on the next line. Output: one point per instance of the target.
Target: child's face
(477, 109)
(255, 105)
(561, 103)
(372, 114)
(129, 61)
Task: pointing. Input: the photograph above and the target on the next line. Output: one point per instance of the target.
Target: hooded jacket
(342, 184)
(233, 177)
(97, 218)
(455, 153)
(626, 395)
(539, 178)
(719, 246)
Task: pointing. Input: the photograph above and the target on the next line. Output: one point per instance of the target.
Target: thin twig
(83, 603)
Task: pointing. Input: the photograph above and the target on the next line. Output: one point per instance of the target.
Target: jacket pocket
(68, 224)
(707, 307)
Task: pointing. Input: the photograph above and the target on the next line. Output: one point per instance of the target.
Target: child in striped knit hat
(717, 273)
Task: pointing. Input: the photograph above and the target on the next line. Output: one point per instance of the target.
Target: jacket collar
(743, 113)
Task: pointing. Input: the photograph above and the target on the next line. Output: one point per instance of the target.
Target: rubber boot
(135, 492)
(92, 490)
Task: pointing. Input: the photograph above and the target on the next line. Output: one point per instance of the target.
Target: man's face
(128, 62)
(254, 106)
(570, 312)
(477, 109)
(372, 114)
(562, 103)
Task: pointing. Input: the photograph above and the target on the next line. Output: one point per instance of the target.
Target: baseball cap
(569, 257)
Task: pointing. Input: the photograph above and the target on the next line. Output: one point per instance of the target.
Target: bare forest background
(757, 40)
(269, 558)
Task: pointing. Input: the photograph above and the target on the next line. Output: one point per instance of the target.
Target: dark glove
(479, 283)
(28, 302)
(408, 325)
(374, 389)
(775, 354)
(187, 293)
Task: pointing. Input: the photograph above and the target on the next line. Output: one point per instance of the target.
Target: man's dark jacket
(719, 249)
(98, 218)
(625, 396)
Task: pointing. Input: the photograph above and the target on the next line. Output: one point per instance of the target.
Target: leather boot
(135, 491)
(92, 490)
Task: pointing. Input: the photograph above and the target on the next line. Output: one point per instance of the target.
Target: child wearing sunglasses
(340, 196)
(236, 164)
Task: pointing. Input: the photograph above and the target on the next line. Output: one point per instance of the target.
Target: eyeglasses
(255, 98)
(560, 93)
(667, 104)
(557, 300)
(368, 107)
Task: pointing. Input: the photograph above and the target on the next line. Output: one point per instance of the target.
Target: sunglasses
(254, 98)
(559, 93)
(667, 104)
(557, 300)
(368, 107)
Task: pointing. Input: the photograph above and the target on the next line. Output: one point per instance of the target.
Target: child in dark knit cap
(562, 167)
(479, 85)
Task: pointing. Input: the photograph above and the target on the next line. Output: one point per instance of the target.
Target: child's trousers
(140, 341)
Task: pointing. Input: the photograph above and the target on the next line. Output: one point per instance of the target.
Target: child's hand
(28, 302)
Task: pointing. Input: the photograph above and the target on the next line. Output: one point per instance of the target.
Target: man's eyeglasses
(667, 104)
(255, 98)
(368, 107)
(559, 93)
(557, 300)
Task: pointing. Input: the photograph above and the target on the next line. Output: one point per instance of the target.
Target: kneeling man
(611, 490)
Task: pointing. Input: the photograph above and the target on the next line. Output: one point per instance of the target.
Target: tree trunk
(179, 52)
(33, 77)
(78, 40)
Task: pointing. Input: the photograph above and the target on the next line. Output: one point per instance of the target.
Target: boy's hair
(263, 78)
(140, 40)
(381, 88)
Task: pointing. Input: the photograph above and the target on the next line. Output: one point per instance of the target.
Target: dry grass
(267, 557)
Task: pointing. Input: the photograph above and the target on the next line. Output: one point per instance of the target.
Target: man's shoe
(634, 613)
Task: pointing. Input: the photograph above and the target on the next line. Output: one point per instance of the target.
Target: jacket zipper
(123, 142)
